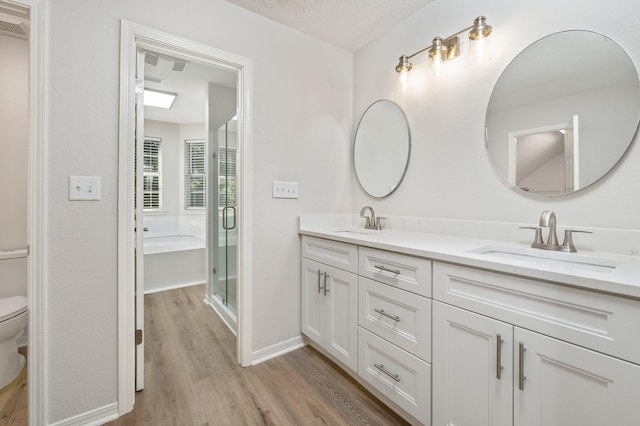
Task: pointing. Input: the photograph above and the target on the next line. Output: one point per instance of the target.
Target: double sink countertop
(602, 272)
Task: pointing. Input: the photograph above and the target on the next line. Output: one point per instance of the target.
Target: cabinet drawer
(399, 270)
(403, 378)
(601, 322)
(398, 316)
(333, 253)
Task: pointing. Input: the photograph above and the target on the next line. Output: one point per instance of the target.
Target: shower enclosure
(223, 224)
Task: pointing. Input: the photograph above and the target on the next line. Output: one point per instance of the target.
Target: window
(227, 176)
(152, 173)
(195, 174)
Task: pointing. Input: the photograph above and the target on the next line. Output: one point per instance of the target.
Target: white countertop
(623, 280)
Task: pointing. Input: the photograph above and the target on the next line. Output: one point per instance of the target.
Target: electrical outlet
(285, 189)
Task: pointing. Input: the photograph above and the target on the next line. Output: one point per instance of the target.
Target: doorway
(545, 160)
(134, 39)
(36, 291)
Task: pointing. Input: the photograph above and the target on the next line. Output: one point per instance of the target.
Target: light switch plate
(84, 188)
(285, 189)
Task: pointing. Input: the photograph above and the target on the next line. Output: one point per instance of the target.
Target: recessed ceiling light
(157, 98)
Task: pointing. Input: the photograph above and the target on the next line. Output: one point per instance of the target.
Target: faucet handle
(567, 244)
(537, 240)
(378, 225)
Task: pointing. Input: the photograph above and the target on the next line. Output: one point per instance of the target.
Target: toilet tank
(13, 274)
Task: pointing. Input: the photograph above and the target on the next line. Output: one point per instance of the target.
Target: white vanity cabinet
(493, 371)
(330, 298)
(394, 337)
(562, 384)
(472, 368)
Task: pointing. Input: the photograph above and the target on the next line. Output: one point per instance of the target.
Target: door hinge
(138, 337)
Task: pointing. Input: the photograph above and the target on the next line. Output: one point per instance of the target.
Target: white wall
(449, 174)
(14, 114)
(302, 114)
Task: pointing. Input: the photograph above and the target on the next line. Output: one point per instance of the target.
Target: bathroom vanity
(452, 330)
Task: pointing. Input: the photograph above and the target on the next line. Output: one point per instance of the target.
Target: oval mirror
(563, 113)
(381, 148)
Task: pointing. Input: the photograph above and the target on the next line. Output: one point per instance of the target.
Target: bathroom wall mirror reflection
(381, 148)
(563, 113)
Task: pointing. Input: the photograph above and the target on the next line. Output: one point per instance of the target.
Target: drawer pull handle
(387, 372)
(384, 268)
(521, 377)
(382, 312)
(326, 289)
(319, 285)
(499, 357)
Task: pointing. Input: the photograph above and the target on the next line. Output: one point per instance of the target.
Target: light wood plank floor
(192, 377)
(14, 400)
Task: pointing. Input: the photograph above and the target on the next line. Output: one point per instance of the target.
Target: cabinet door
(313, 300)
(342, 316)
(469, 389)
(566, 385)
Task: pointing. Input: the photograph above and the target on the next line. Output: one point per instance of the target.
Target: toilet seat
(11, 307)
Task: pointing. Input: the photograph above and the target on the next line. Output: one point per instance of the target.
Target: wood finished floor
(191, 377)
(14, 400)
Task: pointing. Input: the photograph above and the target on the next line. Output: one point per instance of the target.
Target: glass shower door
(226, 242)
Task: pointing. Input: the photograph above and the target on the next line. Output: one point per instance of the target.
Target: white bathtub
(173, 261)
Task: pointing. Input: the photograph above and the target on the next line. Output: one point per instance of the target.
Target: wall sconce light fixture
(443, 50)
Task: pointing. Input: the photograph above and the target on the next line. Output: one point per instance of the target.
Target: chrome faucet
(372, 222)
(548, 220)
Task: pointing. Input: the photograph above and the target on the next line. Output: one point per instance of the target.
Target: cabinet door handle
(521, 377)
(326, 289)
(387, 372)
(499, 357)
(319, 285)
(384, 268)
(382, 312)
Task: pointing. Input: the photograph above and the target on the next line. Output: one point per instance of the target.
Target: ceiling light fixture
(158, 98)
(443, 50)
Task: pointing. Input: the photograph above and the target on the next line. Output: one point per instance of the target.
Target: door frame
(37, 204)
(132, 37)
(512, 141)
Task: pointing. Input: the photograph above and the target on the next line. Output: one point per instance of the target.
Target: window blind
(227, 176)
(195, 171)
(152, 174)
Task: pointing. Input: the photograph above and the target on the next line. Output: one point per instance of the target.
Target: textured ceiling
(349, 24)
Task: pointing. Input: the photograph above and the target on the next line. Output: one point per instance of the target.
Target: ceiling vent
(151, 58)
(179, 65)
(153, 79)
(14, 26)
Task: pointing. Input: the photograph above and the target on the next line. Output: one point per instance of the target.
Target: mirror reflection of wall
(545, 160)
(381, 148)
(555, 80)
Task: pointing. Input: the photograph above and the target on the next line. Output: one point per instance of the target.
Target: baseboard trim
(173, 287)
(276, 350)
(95, 417)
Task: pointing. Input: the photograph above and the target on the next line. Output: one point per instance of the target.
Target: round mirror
(381, 148)
(563, 113)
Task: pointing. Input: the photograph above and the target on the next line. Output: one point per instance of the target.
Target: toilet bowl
(13, 319)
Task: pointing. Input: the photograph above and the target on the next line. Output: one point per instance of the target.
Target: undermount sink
(548, 259)
(356, 231)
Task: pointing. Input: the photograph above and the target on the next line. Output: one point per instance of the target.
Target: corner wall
(302, 107)
(450, 175)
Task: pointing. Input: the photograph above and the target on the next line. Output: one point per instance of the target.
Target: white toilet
(13, 319)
